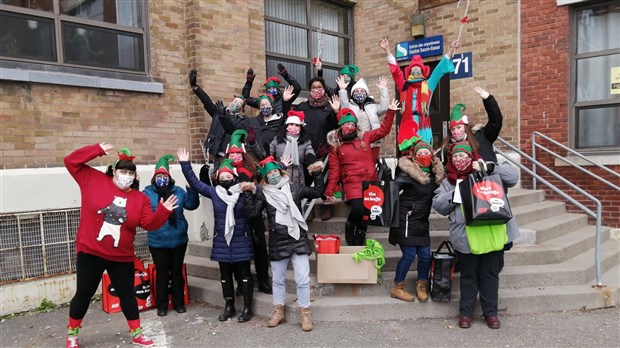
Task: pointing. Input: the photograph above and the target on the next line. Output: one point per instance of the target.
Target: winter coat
(487, 134)
(319, 122)
(277, 100)
(265, 131)
(368, 114)
(217, 139)
(169, 236)
(418, 188)
(442, 203)
(281, 244)
(306, 157)
(241, 247)
(351, 162)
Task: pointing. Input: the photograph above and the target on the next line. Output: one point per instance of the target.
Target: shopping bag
(142, 290)
(485, 239)
(380, 203)
(484, 200)
(442, 269)
(327, 244)
(153, 274)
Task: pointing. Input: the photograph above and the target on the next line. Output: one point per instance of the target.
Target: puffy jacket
(319, 122)
(418, 188)
(241, 247)
(281, 244)
(306, 157)
(442, 203)
(169, 236)
(351, 162)
(368, 114)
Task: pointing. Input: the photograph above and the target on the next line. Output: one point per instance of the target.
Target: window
(100, 34)
(596, 72)
(296, 31)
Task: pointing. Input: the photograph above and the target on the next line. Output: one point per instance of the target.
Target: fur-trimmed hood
(334, 140)
(413, 169)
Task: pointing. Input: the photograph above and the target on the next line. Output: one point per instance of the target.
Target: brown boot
(305, 319)
(421, 287)
(277, 316)
(399, 292)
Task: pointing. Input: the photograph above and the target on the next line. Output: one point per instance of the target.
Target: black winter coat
(277, 100)
(265, 131)
(281, 245)
(319, 122)
(217, 139)
(487, 134)
(416, 199)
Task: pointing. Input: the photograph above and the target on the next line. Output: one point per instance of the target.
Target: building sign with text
(427, 47)
(463, 66)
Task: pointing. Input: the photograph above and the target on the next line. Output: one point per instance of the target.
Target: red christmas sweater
(109, 216)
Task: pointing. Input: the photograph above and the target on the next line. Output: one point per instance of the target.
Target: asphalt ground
(199, 327)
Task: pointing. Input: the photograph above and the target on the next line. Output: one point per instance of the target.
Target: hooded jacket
(368, 114)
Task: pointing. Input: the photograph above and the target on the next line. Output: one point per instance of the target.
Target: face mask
(359, 97)
(317, 93)
(273, 91)
(235, 157)
(123, 181)
(273, 179)
(227, 183)
(347, 79)
(424, 160)
(348, 129)
(234, 108)
(462, 163)
(294, 131)
(161, 182)
(265, 111)
(459, 135)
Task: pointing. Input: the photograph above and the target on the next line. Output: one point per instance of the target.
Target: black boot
(360, 236)
(349, 233)
(228, 290)
(264, 285)
(248, 292)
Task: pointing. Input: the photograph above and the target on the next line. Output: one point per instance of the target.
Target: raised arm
(397, 74)
(386, 124)
(495, 118)
(291, 81)
(382, 107)
(189, 175)
(76, 161)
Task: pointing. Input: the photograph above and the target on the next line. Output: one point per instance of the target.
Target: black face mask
(227, 183)
(349, 136)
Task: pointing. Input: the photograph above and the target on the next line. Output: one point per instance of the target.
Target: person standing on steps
(272, 88)
(232, 238)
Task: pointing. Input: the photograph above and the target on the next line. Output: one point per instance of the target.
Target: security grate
(40, 244)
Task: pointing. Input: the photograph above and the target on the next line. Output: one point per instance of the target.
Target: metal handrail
(575, 165)
(599, 206)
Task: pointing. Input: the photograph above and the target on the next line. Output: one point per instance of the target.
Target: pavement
(199, 327)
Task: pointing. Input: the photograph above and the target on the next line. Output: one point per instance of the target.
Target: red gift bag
(153, 273)
(142, 290)
(327, 244)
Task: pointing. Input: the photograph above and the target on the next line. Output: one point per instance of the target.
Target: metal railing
(535, 176)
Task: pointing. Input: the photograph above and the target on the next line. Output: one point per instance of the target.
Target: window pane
(290, 10)
(335, 49)
(43, 5)
(594, 78)
(286, 39)
(599, 127)
(121, 12)
(330, 75)
(597, 28)
(330, 17)
(297, 70)
(27, 37)
(100, 47)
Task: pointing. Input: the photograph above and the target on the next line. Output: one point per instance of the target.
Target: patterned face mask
(461, 163)
(273, 91)
(317, 93)
(123, 181)
(161, 181)
(265, 111)
(234, 107)
(458, 134)
(274, 178)
(293, 129)
(348, 128)
(359, 97)
(235, 156)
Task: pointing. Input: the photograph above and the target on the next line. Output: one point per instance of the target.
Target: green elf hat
(267, 165)
(163, 165)
(236, 142)
(124, 154)
(421, 144)
(265, 96)
(407, 134)
(272, 82)
(462, 146)
(346, 115)
(227, 166)
(350, 70)
(457, 117)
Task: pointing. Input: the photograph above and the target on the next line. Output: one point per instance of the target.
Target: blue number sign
(463, 66)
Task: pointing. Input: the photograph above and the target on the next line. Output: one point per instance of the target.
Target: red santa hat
(295, 117)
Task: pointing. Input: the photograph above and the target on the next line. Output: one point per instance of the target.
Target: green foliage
(45, 306)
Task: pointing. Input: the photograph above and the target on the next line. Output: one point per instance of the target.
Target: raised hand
(288, 93)
(106, 147)
(382, 82)
(193, 74)
(286, 160)
(182, 154)
(385, 44)
(481, 92)
(170, 203)
(341, 83)
(455, 45)
(394, 105)
(318, 64)
(335, 103)
(221, 108)
(250, 75)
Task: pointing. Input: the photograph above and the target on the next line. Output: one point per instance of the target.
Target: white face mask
(123, 181)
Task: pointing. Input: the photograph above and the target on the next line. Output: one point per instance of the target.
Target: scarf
(231, 201)
(164, 193)
(318, 103)
(291, 149)
(287, 214)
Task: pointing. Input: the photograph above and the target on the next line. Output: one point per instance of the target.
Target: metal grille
(40, 244)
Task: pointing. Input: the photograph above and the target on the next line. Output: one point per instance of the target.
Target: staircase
(551, 268)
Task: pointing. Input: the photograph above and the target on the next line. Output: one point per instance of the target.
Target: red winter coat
(351, 162)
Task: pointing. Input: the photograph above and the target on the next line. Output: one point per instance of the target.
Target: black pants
(241, 271)
(479, 274)
(357, 212)
(261, 258)
(169, 265)
(88, 271)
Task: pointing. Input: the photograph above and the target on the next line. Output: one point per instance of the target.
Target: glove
(250, 75)
(221, 108)
(282, 70)
(192, 77)
(323, 151)
(251, 138)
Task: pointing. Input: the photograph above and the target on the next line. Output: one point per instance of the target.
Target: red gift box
(153, 274)
(142, 289)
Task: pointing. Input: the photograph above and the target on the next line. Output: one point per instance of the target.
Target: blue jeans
(409, 253)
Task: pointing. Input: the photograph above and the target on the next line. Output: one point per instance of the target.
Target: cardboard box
(341, 268)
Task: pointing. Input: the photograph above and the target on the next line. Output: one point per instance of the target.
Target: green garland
(372, 251)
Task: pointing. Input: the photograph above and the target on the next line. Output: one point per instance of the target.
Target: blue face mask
(273, 91)
(275, 178)
(266, 111)
(161, 182)
(359, 97)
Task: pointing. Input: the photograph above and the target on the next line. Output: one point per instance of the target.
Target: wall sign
(615, 80)
(463, 66)
(427, 47)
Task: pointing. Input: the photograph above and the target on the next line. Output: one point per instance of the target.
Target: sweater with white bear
(108, 216)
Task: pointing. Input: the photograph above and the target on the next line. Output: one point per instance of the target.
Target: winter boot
(277, 316)
(349, 233)
(248, 292)
(264, 285)
(421, 289)
(360, 236)
(228, 290)
(399, 292)
(305, 319)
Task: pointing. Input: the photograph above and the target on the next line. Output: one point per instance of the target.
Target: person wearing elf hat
(351, 161)
(416, 87)
(272, 87)
(479, 272)
(232, 238)
(110, 213)
(168, 243)
(365, 108)
(419, 176)
(243, 162)
(348, 73)
(288, 233)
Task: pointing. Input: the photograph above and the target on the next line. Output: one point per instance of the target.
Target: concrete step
(554, 227)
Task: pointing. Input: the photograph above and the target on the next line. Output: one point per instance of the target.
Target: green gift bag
(486, 238)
